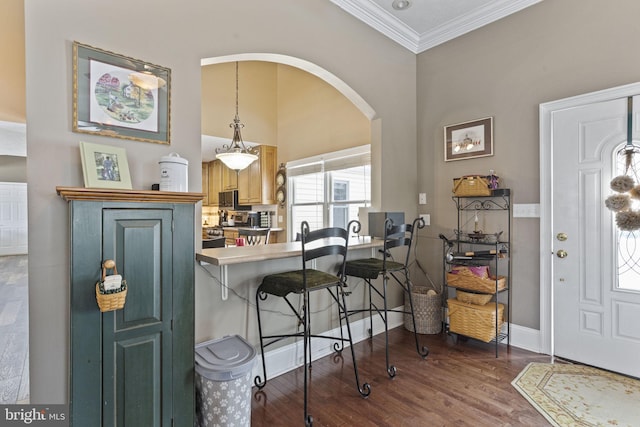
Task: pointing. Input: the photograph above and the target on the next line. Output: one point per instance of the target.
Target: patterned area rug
(577, 395)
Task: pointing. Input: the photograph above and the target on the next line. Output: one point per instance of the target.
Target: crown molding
(378, 18)
(473, 20)
(381, 20)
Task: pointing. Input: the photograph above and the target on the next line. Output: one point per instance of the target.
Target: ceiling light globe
(236, 160)
(400, 4)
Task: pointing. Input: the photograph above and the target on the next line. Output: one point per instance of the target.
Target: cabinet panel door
(215, 182)
(137, 340)
(205, 184)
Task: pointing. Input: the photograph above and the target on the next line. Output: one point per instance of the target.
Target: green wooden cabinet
(134, 366)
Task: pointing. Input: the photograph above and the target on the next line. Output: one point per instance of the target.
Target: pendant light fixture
(236, 155)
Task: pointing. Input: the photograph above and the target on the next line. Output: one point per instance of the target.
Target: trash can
(223, 382)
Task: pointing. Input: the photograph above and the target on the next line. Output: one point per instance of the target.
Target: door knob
(562, 236)
(562, 253)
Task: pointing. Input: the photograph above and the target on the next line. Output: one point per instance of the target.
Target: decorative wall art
(121, 97)
(468, 140)
(104, 166)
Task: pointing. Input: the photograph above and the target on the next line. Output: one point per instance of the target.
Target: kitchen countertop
(243, 227)
(242, 254)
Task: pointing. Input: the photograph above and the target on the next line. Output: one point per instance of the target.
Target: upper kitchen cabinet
(205, 183)
(256, 182)
(215, 181)
(229, 178)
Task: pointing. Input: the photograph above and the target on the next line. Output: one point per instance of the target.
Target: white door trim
(546, 206)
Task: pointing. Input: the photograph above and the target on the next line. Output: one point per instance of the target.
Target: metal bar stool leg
(365, 389)
(308, 419)
(424, 351)
(391, 369)
(260, 382)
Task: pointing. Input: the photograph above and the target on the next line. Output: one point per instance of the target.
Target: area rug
(577, 395)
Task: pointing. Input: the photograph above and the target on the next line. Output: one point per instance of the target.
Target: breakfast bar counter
(243, 256)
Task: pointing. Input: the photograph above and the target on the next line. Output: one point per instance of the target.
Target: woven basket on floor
(427, 310)
(475, 321)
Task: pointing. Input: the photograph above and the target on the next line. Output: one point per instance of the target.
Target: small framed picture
(121, 97)
(104, 166)
(468, 140)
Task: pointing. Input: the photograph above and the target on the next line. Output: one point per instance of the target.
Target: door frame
(546, 112)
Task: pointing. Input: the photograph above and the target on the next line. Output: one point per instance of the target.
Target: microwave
(229, 201)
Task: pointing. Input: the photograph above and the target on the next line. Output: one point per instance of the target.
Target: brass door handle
(562, 253)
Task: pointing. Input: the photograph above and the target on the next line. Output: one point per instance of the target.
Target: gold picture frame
(468, 140)
(104, 166)
(121, 97)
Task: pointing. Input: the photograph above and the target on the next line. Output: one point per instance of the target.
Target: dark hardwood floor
(459, 384)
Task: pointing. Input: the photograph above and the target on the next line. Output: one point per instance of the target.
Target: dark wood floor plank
(459, 384)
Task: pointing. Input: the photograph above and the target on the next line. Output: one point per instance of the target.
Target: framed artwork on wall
(468, 140)
(104, 166)
(121, 97)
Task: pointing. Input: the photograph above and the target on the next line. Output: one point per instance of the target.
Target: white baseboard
(284, 359)
(526, 338)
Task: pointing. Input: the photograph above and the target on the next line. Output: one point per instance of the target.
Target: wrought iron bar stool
(370, 269)
(325, 242)
(255, 236)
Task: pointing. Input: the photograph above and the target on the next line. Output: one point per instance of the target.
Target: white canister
(174, 173)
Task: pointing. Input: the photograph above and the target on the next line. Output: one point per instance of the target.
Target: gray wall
(13, 169)
(177, 35)
(553, 50)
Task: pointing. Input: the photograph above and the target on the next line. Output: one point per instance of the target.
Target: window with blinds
(328, 190)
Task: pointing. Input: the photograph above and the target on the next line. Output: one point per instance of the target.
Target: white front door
(596, 321)
(13, 218)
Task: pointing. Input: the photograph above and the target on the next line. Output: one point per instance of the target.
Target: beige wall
(178, 36)
(12, 66)
(315, 118)
(553, 50)
(13, 169)
(257, 100)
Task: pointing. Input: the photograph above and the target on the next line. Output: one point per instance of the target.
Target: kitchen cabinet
(205, 183)
(256, 182)
(229, 178)
(215, 181)
(133, 366)
(469, 313)
(230, 236)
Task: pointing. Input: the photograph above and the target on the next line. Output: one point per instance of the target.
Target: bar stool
(316, 244)
(255, 236)
(369, 269)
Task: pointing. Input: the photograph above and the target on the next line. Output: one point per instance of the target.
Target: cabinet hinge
(172, 324)
(173, 225)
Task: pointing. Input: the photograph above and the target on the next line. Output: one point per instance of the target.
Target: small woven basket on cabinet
(112, 299)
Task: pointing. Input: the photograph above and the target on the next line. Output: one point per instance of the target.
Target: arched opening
(312, 121)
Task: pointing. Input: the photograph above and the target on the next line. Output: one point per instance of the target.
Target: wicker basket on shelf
(476, 283)
(475, 321)
(471, 185)
(471, 298)
(427, 311)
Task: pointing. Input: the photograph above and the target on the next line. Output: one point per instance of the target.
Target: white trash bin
(223, 382)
